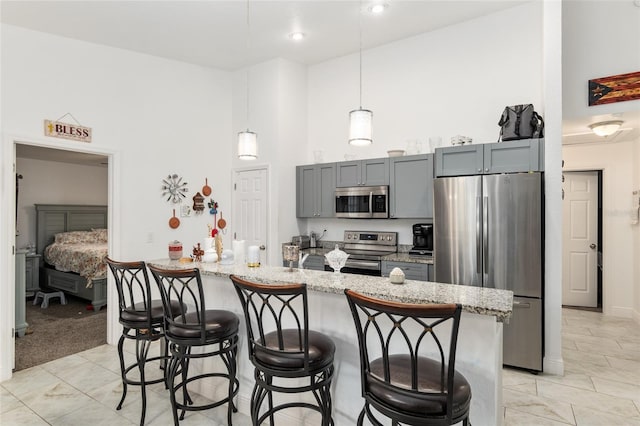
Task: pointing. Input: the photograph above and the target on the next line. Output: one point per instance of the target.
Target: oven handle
(362, 264)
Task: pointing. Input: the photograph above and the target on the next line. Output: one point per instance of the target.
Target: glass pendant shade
(360, 127)
(247, 145)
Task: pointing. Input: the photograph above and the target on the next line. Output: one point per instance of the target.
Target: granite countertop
(478, 300)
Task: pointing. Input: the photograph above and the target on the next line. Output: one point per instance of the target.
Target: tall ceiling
(215, 33)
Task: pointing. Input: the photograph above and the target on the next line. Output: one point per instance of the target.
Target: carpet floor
(58, 331)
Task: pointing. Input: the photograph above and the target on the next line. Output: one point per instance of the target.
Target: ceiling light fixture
(378, 8)
(297, 36)
(606, 128)
(247, 141)
(360, 120)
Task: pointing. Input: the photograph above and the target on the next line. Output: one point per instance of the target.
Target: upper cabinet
(525, 155)
(411, 186)
(315, 186)
(374, 172)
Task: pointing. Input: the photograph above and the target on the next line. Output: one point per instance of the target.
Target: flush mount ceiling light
(297, 36)
(606, 128)
(247, 141)
(378, 8)
(360, 120)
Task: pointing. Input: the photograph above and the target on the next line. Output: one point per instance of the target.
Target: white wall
(50, 182)
(456, 80)
(616, 160)
(156, 116)
(600, 39)
(164, 117)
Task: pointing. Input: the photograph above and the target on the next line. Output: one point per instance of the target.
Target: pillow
(76, 237)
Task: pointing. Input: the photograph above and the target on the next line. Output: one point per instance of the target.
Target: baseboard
(553, 366)
(620, 311)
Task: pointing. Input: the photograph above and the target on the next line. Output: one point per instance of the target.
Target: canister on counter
(175, 250)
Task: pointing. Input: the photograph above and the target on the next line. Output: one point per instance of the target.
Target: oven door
(357, 266)
(362, 202)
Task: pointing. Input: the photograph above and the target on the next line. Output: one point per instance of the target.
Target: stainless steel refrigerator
(488, 232)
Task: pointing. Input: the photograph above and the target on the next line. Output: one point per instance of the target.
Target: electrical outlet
(149, 237)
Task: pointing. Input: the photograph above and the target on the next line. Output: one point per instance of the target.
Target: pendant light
(360, 120)
(247, 141)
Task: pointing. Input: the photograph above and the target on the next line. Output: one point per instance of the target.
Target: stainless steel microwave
(362, 202)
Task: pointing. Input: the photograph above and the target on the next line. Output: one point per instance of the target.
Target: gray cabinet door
(315, 262)
(315, 186)
(325, 190)
(305, 191)
(374, 172)
(411, 186)
(512, 156)
(431, 276)
(412, 271)
(348, 173)
(459, 160)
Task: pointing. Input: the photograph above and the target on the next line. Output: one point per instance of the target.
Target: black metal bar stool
(407, 374)
(281, 346)
(142, 320)
(215, 331)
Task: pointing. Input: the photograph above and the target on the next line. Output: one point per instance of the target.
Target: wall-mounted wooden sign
(616, 88)
(58, 129)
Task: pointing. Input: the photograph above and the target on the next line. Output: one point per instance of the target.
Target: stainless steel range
(366, 250)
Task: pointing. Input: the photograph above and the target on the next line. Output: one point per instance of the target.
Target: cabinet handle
(479, 170)
(486, 170)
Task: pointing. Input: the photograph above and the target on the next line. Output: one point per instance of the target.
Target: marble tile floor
(601, 386)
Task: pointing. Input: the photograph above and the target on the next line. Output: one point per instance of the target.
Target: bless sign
(58, 129)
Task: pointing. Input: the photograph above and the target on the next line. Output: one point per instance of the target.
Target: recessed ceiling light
(378, 8)
(297, 36)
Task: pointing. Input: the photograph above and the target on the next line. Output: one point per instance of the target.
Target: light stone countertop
(404, 257)
(478, 300)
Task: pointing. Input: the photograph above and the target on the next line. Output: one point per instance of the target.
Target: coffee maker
(422, 240)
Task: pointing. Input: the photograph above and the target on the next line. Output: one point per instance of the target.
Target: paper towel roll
(238, 251)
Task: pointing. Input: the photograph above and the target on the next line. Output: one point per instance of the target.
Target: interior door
(579, 239)
(250, 218)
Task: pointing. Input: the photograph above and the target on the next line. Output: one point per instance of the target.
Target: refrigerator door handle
(485, 234)
(478, 236)
(371, 203)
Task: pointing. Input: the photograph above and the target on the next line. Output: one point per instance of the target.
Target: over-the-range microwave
(362, 202)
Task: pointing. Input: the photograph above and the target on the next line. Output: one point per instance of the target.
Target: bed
(72, 240)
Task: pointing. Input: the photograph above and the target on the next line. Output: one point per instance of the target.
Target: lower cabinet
(314, 261)
(32, 273)
(412, 271)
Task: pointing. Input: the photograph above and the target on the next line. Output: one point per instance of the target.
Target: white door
(250, 221)
(579, 239)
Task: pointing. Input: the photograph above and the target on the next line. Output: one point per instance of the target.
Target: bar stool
(142, 320)
(282, 346)
(400, 377)
(214, 331)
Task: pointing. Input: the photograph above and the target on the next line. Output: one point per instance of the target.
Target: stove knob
(348, 236)
(388, 237)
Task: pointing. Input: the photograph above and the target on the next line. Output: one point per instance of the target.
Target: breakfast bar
(479, 348)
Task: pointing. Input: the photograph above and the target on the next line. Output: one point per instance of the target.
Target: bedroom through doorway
(60, 181)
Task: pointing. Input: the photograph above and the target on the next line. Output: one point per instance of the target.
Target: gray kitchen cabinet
(411, 186)
(412, 271)
(525, 155)
(32, 273)
(373, 172)
(315, 186)
(315, 262)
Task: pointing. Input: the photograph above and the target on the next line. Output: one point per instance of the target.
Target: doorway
(250, 212)
(62, 178)
(582, 240)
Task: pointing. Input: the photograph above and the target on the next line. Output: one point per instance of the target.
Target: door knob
(592, 246)
(262, 247)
